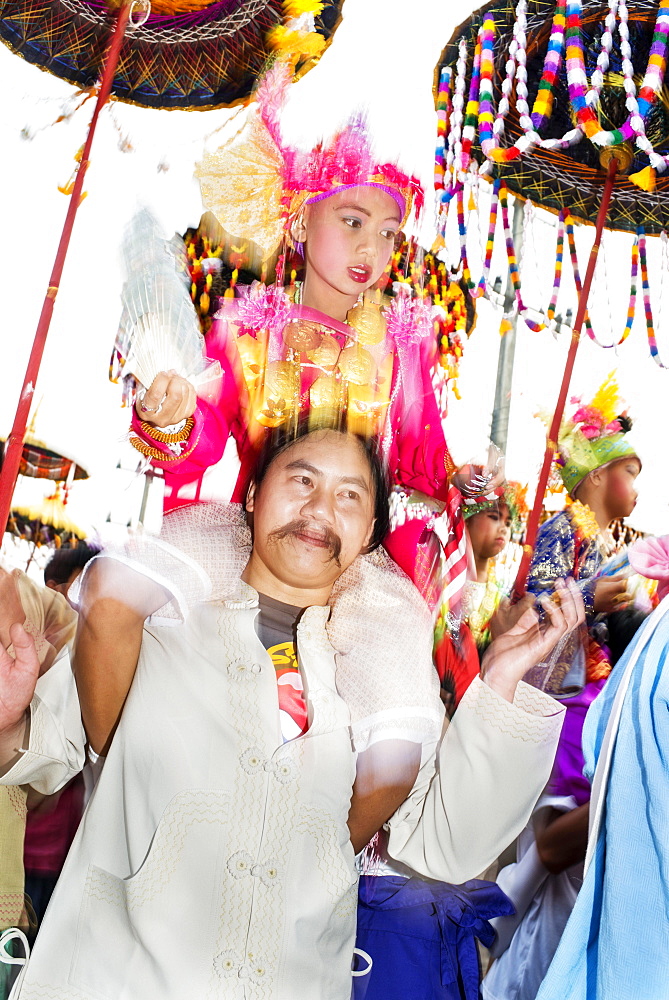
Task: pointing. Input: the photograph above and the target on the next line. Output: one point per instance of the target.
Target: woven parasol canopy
(572, 179)
(40, 462)
(187, 54)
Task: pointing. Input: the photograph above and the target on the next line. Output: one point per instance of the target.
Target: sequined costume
(564, 549)
(309, 352)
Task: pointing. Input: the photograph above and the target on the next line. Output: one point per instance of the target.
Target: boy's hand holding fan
(159, 346)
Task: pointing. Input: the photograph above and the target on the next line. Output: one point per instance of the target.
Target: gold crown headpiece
(255, 183)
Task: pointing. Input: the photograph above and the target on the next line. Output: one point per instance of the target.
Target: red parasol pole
(14, 445)
(551, 441)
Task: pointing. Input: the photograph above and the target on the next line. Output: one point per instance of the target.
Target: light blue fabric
(616, 943)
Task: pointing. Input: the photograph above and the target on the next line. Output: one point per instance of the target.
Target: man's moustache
(331, 539)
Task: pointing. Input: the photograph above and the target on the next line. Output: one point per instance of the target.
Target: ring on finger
(152, 409)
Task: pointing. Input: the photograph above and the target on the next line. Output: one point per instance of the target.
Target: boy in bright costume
(598, 465)
(330, 346)
(292, 356)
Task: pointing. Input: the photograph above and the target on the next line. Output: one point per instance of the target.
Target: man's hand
(11, 609)
(18, 677)
(510, 656)
(508, 614)
(169, 400)
(611, 595)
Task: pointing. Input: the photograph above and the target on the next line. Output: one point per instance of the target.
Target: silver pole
(499, 431)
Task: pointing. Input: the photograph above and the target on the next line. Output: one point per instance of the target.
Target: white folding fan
(159, 329)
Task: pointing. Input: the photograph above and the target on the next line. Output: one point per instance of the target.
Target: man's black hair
(64, 562)
(282, 438)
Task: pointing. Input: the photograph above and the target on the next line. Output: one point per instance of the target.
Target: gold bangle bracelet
(149, 452)
(158, 435)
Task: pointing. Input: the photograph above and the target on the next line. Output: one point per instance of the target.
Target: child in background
(489, 526)
(598, 465)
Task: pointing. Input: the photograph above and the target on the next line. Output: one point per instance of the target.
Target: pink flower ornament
(267, 307)
(590, 431)
(409, 320)
(649, 557)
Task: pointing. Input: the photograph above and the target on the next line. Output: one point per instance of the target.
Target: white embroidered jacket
(213, 860)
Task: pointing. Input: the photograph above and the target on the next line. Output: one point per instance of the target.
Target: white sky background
(385, 63)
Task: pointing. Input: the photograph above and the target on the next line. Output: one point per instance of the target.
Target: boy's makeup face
(489, 531)
(621, 495)
(349, 239)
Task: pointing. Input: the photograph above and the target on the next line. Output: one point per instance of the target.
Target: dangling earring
(367, 319)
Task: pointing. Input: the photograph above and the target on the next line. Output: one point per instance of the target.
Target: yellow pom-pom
(295, 8)
(644, 179)
(504, 326)
(296, 44)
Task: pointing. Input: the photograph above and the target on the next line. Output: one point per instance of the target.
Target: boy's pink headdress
(255, 183)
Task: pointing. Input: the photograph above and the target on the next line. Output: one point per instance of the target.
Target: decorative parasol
(185, 54)
(558, 102)
(195, 54)
(45, 523)
(571, 176)
(39, 462)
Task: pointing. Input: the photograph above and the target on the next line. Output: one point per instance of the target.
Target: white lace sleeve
(200, 555)
(382, 631)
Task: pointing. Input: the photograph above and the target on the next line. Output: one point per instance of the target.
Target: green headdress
(594, 436)
(513, 495)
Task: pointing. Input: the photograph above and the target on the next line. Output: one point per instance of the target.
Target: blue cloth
(421, 935)
(616, 943)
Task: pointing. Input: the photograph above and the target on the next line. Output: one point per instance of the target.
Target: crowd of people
(291, 788)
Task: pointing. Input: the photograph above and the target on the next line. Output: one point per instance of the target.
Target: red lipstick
(360, 273)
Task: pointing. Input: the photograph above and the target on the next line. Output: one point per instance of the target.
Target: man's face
(314, 511)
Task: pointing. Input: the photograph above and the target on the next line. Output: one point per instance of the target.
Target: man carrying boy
(216, 859)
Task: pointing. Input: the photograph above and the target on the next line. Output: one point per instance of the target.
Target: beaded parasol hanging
(565, 110)
(186, 54)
